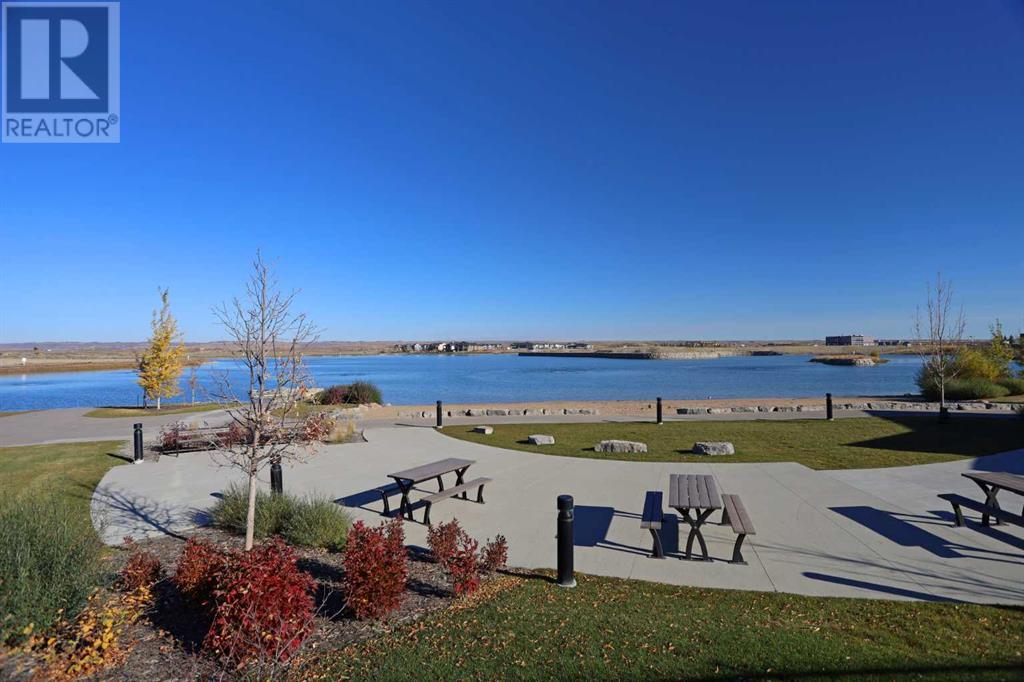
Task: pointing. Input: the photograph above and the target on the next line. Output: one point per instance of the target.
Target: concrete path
(71, 424)
(876, 533)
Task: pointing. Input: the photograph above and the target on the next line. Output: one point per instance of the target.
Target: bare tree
(269, 342)
(939, 334)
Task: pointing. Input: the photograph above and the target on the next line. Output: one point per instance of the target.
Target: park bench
(651, 520)
(959, 501)
(477, 483)
(735, 514)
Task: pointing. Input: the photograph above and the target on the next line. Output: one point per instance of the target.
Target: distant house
(849, 340)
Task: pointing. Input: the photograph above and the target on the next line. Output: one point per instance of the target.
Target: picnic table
(991, 483)
(695, 497)
(407, 478)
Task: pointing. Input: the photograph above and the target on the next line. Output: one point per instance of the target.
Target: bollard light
(137, 438)
(440, 421)
(565, 541)
(828, 406)
(659, 411)
(276, 478)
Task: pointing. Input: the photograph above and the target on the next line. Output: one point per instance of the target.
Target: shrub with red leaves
(375, 568)
(457, 553)
(170, 436)
(198, 567)
(443, 540)
(494, 555)
(265, 606)
(141, 570)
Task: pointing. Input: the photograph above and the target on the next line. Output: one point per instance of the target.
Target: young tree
(161, 364)
(269, 341)
(939, 334)
(1000, 350)
(193, 382)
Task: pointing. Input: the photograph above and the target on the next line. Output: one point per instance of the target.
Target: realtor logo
(61, 72)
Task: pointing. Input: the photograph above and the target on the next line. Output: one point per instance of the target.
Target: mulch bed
(165, 645)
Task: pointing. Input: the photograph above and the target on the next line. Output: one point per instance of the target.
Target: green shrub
(364, 392)
(1014, 386)
(968, 389)
(302, 521)
(50, 561)
(271, 510)
(316, 522)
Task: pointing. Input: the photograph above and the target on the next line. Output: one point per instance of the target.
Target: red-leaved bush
(264, 606)
(375, 568)
(199, 566)
(494, 554)
(141, 570)
(457, 553)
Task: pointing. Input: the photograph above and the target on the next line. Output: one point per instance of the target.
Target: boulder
(486, 430)
(620, 446)
(533, 412)
(497, 412)
(540, 439)
(744, 409)
(719, 410)
(692, 410)
(713, 448)
(785, 408)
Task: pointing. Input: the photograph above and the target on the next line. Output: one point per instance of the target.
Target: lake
(422, 379)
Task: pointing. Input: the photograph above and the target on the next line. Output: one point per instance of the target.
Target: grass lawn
(174, 408)
(8, 414)
(609, 628)
(66, 470)
(854, 443)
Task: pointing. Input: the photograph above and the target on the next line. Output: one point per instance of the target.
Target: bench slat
(653, 511)
(737, 513)
(452, 492)
(981, 507)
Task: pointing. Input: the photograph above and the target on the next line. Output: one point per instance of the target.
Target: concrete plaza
(878, 533)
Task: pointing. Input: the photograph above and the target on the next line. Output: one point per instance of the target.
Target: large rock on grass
(486, 430)
(713, 448)
(541, 439)
(620, 446)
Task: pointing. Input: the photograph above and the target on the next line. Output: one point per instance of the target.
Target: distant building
(849, 340)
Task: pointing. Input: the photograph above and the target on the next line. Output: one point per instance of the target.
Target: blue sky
(549, 169)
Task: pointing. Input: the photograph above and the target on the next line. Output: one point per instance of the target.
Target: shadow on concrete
(363, 498)
(134, 513)
(876, 587)
(591, 525)
(897, 530)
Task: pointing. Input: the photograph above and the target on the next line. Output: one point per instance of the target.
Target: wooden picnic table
(695, 497)
(991, 483)
(407, 478)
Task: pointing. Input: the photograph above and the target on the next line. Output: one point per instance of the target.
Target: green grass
(854, 443)
(608, 628)
(174, 408)
(11, 414)
(65, 470)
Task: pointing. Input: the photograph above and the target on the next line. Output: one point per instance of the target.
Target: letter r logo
(57, 58)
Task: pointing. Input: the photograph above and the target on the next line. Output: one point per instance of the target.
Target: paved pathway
(875, 533)
(71, 424)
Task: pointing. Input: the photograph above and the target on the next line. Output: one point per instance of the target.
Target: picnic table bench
(408, 478)
(991, 483)
(651, 520)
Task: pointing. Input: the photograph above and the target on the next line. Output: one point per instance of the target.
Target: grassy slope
(819, 444)
(152, 411)
(609, 628)
(67, 470)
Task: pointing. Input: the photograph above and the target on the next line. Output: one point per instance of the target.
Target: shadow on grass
(123, 458)
(964, 435)
(936, 672)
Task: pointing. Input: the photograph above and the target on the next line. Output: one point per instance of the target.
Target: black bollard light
(659, 412)
(828, 406)
(138, 443)
(440, 421)
(276, 478)
(565, 541)
(943, 415)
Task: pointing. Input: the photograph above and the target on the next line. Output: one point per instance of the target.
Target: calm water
(421, 379)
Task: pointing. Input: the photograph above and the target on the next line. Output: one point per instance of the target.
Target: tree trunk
(250, 516)
(158, 402)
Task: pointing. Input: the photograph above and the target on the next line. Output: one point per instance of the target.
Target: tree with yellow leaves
(161, 365)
